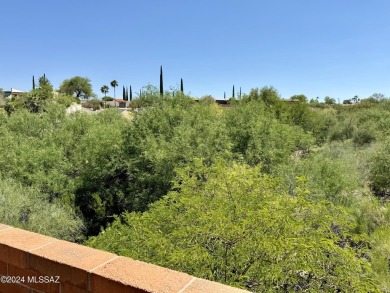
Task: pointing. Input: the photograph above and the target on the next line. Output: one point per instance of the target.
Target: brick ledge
(83, 269)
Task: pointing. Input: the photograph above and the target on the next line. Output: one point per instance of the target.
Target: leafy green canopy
(232, 224)
(29, 209)
(364, 123)
(79, 86)
(70, 158)
(165, 137)
(173, 130)
(333, 170)
(380, 169)
(103, 165)
(38, 99)
(33, 101)
(260, 138)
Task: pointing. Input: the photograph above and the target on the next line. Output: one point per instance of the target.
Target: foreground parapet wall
(32, 263)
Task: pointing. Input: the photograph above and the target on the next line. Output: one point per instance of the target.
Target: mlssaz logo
(43, 279)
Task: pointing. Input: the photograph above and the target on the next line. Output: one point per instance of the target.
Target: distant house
(12, 93)
(290, 100)
(118, 103)
(223, 103)
(220, 102)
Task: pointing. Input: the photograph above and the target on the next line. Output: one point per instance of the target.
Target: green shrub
(380, 170)
(332, 170)
(343, 130)
(163, 138)
(65, 99)
(380, 241)
(207, 99)
(320, 123)
(28, 209)
(229, 223)
(68, 158)
(258, 137)
(364, 135)
(93, 104)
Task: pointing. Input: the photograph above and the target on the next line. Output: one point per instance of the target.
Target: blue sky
(317, 48)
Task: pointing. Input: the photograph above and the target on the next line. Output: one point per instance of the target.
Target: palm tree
(114, 84)
(104, 89)
(355, 99)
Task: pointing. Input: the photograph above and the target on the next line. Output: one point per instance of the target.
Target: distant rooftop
(16, 91)
(119, 100)
(13, 93)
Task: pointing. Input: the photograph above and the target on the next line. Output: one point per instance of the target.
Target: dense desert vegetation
(264, 195)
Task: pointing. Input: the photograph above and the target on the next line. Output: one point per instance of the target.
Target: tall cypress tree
(233, 92)
(181, 86)
(124, 93)
(33, 81)
(131, 94)
(161, 82)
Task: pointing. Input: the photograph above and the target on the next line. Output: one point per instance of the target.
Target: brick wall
(45, 264)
